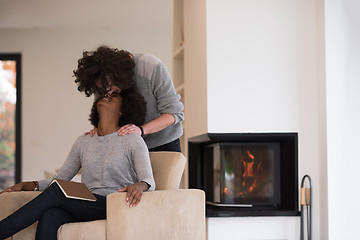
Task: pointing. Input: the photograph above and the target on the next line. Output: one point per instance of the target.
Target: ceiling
(73, 14)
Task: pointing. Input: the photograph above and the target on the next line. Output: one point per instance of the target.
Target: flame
(249, 173)
(248, 180)
(251, 188)
(228, 191)
(250, 155)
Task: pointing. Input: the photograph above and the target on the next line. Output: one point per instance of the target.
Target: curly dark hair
(93, 66)
(133, 109)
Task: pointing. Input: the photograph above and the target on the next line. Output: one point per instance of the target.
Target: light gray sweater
(108, 163)
(155, 84)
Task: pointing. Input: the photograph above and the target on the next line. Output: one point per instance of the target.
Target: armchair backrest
(168, 168)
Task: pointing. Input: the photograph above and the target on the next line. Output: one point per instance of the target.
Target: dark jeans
(52, 209)
(173, 146)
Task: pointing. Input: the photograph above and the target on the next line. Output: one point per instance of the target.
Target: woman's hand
(91, 132)
(22, 186)
(134, 193)
(129, 128)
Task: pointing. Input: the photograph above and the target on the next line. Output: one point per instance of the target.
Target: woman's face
(110, 102)
(111, 87)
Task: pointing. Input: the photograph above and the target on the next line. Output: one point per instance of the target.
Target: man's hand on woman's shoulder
(92, 132)
(129, 128)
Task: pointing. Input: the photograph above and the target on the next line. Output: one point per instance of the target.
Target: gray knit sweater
(108, 163)
(155, 84)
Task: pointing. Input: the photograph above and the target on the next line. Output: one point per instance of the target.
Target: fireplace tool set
(306, 212)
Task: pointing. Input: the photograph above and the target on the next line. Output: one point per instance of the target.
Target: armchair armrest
(166, 214)
(12, 201)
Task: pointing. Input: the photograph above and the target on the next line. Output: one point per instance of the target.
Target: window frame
(16, 57)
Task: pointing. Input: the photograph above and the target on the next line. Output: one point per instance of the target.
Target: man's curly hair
(93, 66)
(133, 109)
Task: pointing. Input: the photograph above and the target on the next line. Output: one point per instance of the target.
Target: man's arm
(156, 125)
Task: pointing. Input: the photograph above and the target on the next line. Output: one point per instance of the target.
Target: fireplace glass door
(243, 174)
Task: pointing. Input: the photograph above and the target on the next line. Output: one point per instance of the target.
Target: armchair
(166, 213)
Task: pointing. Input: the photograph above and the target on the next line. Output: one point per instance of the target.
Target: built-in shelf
(179, 53)
(180, 88)
(178, 49)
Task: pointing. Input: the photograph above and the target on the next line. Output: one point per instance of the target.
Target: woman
(109, 163)
(162, 128)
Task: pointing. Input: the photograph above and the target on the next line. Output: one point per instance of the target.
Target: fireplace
(246, 174)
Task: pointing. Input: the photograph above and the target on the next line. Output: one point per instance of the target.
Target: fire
(228, 191)
(247, 182)
(248, 172)
(250, 155)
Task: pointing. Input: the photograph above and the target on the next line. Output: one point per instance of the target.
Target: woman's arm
(141, 162)
(23, 186)
(72, 164)
(70, 167)
(134, 193)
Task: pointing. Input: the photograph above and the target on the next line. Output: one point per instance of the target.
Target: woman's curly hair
(133, 109)
(93, 66)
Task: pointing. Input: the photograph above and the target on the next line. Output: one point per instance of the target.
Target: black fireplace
(246, 174)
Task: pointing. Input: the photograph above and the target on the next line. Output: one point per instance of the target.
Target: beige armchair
(167, 213)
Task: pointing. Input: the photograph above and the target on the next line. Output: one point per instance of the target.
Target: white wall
(343, 104)
(251, 228)
(265, 77)
(54, 113)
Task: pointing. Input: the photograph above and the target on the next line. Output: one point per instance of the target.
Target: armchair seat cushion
(93, 230)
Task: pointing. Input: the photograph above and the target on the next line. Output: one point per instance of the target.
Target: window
(10, 119)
